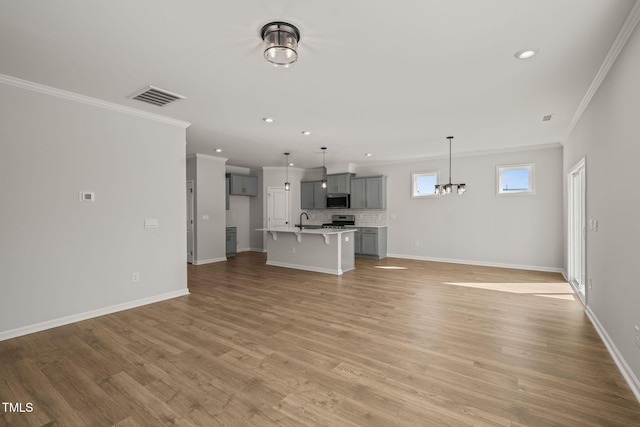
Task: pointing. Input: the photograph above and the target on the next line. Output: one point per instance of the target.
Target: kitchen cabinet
(339, 183)
(371, 242)
(369, 192)
(232, 238)
(312, 195)
(242, 185)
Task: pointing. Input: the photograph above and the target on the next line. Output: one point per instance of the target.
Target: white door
(278, 207)
(577, 227)
(190, 221)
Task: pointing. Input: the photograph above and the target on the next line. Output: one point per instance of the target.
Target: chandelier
(444, 189)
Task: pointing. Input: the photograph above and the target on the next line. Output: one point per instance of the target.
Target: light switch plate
(151, 223)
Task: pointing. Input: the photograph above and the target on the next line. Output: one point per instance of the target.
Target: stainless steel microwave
(338, 201)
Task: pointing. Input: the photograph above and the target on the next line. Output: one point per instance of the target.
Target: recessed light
(525, 53)
(368, 154)
(268, 119)
(218, 150)
(306, 132)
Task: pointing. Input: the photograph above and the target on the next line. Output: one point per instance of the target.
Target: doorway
(278, 211)
(190, 239)
(577, 230)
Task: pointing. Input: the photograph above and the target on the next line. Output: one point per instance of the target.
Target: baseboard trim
(54, 323)
(479, 263)
(208, 261)
(565, 275)
(624, 368)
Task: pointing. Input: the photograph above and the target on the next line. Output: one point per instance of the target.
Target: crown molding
(463, 154)
(206, 156)
(623, 35)
(75, 97)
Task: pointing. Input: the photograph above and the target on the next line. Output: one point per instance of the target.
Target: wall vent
(155, 96)
(547, 117)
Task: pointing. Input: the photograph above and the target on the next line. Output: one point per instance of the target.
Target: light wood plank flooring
(412, 344)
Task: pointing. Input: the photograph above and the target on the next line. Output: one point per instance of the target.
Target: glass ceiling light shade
(280, 43)
(444, 189)
(287, 184)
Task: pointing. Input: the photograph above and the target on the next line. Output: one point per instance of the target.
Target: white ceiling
(391, 78)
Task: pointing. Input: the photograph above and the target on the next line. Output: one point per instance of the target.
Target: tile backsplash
(364, 217)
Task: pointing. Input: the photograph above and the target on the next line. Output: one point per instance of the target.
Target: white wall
(210, 212)
(256, 214)
(607, 135)
(478, 227)
(62, 259)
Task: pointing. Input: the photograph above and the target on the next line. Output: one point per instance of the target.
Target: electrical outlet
(135, 277)
(416, 243)
(637, 328)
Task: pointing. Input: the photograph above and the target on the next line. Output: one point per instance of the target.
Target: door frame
(191, 219)
(577, 229)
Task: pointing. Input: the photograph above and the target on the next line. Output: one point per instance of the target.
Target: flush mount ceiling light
(306, 132)
(287, 184)
(268, 119)
(280, 43)
(525, 53)
(218, 150)
(444, 189)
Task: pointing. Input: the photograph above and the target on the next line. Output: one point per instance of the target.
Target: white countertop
(287, 229)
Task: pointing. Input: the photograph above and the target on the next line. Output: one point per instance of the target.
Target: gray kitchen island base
(322, 251)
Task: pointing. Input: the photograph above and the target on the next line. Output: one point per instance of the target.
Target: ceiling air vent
(155, 96)
(547, 117)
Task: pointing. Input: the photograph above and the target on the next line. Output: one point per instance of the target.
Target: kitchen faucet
(305, 214)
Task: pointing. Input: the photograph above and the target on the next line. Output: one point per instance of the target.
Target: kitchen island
(323, 250)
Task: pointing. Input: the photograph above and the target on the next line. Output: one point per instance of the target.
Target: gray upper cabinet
(339, 183)
(369, 192)
(243, 185)
(312, 195)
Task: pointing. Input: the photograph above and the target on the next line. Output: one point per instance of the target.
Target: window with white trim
(423, 184)
(515, 179)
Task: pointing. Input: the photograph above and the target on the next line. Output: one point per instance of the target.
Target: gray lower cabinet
(232, 238)
(369, 192)
(371, 242)
(312, 195)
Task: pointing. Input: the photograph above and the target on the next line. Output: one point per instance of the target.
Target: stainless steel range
(340, 221)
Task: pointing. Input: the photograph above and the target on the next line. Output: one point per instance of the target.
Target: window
(515, 179)
(423, 184)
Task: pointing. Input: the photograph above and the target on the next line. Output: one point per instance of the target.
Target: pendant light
(287, 184)
(324, 168)
(444, 189)
(280, 43)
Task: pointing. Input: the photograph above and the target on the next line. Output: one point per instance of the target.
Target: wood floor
(412, 344)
